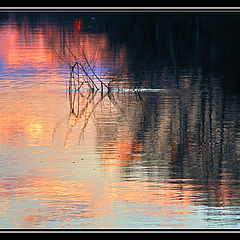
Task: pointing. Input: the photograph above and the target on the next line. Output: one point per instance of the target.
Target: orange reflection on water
(34, 219)
(31, 118)
(124, 153)
(25, 119)
(23, 48)
(72, 200)
(28, 118)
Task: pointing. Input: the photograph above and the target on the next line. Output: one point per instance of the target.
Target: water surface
(165, 157)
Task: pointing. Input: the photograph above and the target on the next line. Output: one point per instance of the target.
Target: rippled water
(164, 157)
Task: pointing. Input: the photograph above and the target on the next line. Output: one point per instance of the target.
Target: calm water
(163, 159)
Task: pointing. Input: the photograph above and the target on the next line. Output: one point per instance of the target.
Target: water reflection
(165, 158)
(185, 137)
(190, 131)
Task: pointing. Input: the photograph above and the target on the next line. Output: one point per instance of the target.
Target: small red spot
(78, 25)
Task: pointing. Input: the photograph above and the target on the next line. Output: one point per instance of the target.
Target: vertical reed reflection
(182, 133)
(186, 135)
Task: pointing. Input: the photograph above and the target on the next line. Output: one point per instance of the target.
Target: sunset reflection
(163, 154)
(17, 53)
(82, 203)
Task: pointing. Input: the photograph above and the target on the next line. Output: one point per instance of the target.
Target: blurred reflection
(161, 158)
(33, 54)
(182, 133)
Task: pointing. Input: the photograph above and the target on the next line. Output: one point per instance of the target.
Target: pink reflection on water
(23, 48)
(36, 119)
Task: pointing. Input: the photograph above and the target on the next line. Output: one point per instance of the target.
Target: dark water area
(196, 56)
(161, 151)
(200, 41)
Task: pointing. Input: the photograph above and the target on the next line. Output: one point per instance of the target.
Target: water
(161, 153)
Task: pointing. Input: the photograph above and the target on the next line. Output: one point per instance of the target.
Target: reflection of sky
(27, 57)
(46, 185)
(56, 192)
(24, 58)
(1, 65)
(49, 180)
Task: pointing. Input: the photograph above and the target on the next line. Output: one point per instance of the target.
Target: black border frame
(164, 8)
